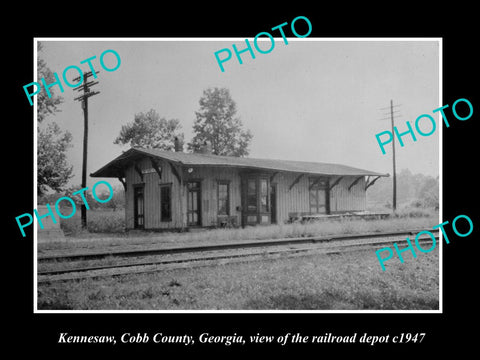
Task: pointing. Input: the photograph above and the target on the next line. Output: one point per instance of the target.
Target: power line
(389, 107)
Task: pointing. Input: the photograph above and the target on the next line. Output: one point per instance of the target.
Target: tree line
(413, 190)
(216, 122)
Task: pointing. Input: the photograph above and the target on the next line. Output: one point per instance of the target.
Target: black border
(449, 330)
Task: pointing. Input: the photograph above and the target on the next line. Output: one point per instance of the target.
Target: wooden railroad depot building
(178, 190)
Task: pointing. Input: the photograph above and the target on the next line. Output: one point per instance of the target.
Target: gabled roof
(115, 168)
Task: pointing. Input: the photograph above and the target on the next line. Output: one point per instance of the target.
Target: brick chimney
(178, 146)
(206, 148)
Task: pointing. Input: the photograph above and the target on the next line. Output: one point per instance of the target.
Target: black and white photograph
(225, 180)
(219, 185)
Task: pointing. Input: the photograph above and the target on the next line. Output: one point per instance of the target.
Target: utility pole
(84, 99)
(394, 206)
(394, 195)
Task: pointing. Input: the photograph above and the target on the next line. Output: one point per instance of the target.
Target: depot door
(138, 208)
(193, 203)
(273, 203)
(255, 199)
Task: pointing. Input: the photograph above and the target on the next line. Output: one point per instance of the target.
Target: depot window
(318, 194)
(223, 198)
(166, 202)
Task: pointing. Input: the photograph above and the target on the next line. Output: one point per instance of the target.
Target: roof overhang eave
(116, 167)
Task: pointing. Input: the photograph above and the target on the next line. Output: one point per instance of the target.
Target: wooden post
(394, 167)
(84, 163)
(394, 195)
(84, 100)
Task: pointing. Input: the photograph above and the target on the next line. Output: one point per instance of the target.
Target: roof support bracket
(335, 183)
(295, 181)
(139, 172)
(177, 172)
(155, 166)
(122, 180)
(356, 181)
(317, 180)
(273, 176)
(370, 183)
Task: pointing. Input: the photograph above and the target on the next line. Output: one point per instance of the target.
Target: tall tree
(216, 123)
(149, 130)
(53, 170)
(45, 105)
(429, 192)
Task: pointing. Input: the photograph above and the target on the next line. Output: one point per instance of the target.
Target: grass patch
(415, 212)
(315, 282)
(323, 228)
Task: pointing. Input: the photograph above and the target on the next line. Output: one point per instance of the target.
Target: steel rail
(337, 248)
(221, 246)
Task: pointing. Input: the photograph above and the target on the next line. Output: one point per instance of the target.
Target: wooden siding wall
(209, 203)
(152, 195)
(297, 199)
(342, 199)
(288, 201)
(294, 200)
(209, 191)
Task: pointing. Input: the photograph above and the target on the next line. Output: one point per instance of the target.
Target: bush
(70, 227)
(98, 221)
(108, 224)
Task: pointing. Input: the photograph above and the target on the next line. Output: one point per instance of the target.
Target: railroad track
(159, 259)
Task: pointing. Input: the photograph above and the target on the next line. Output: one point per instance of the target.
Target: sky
(313, 99)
